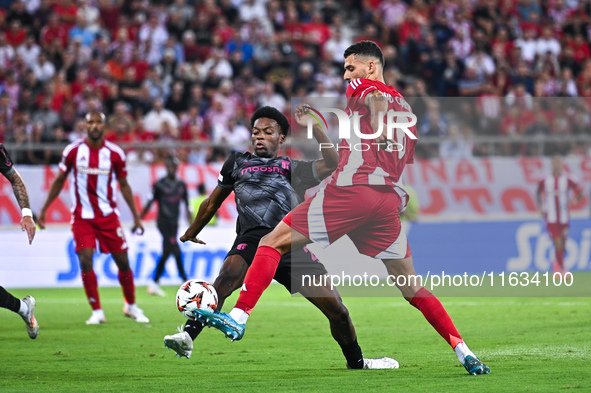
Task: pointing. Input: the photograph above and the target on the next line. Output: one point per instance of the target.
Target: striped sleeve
(360, 88)
(118, 157)
(67, 161)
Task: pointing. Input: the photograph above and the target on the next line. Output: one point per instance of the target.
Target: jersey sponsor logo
(93, 171)
(264, 169)
(241, 246)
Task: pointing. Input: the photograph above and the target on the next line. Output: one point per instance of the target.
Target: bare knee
(122, 261)
(337, 313)
(85, 258)
(342, 317)
(227, 282)
(280, 238)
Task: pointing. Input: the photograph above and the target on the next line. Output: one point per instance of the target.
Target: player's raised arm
(128, 196)
(54, 191)
(330, 156)
(207, 210)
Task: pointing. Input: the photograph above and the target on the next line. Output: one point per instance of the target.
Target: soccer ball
(196, 295)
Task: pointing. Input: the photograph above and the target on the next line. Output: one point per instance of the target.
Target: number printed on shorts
(122, 236)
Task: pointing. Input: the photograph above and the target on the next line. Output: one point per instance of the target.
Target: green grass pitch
(531, 345)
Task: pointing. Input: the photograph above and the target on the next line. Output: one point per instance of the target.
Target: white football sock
(239, 315)
(23, 310)
(462, 351)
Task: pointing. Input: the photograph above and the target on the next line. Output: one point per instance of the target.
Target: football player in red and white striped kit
(554, 201)
(96, 167)
(363, 201)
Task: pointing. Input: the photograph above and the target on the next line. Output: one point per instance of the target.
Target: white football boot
(379, 364)
(155, 290)
(180, 342)
(134, 312)
(97, 317)
(29, 318)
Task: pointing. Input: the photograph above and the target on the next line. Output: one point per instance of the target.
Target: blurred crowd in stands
(195, 70)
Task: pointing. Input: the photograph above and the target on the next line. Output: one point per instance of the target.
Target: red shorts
(556, 229)
(107, 230)
(368, 215)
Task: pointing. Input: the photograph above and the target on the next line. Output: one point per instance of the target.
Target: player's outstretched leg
(25, 308)
(181, 343)
(228, 280)
(29, 317)
(438, 317)
(434, 313)
(341, 327)
(223, 322)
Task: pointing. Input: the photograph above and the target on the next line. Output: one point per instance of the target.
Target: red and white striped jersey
(555, 197)
(361, 162)
(94, 174)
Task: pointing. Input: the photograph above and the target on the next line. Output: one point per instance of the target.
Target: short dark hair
(271, 113)
(172, 160)
(365, 48)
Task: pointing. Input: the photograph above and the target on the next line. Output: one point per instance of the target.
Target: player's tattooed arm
(22, 197)
(20, 191)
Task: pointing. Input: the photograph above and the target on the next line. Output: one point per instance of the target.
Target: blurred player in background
(198, 200)
(97, 166)
(25, 307)
(362, 201)
(411, 213)
(554, 201)
(266, 186)
(169, 192)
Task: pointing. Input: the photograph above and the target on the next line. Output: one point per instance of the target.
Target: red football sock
(434, 312)
(560, 258)
(126, 281)
(259, 276)
(91, 288)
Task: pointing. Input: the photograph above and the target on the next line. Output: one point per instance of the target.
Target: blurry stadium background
(498, 87)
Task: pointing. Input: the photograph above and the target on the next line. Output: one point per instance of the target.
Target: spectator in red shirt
(67, 12)
(139, 64)
(109, 13)
(16, 34)
(317, 32)
(54, 29)
(502, 42)
(580, 47)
